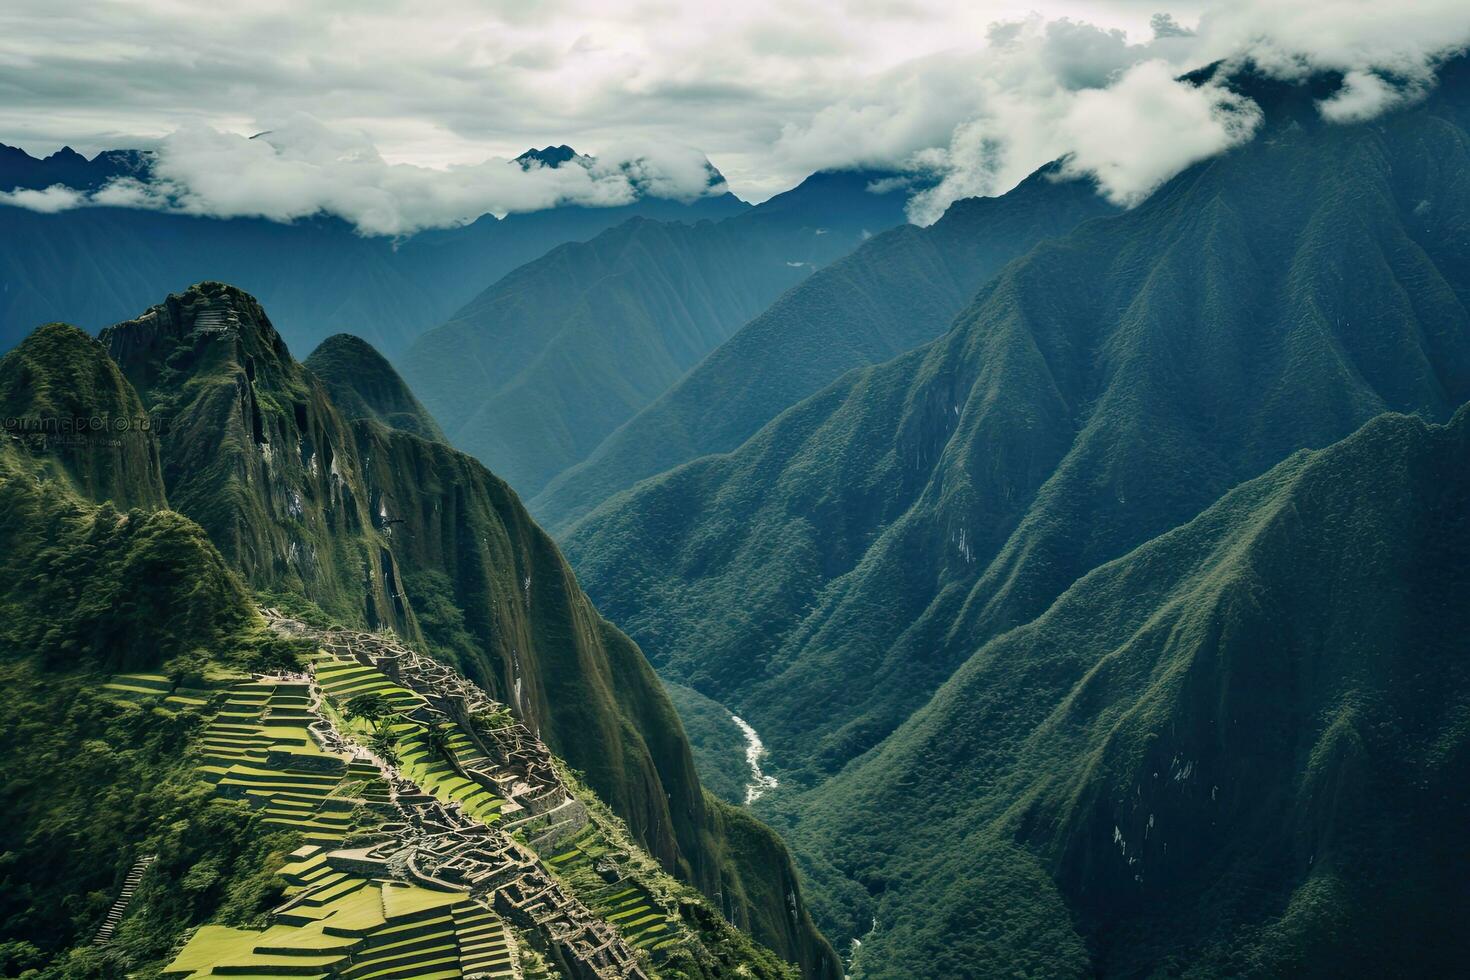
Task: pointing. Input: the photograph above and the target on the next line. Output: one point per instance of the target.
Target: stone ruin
(437, 845)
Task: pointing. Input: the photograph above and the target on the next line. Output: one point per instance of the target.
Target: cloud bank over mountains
(1040, 90)
(383, 117)
(303, 167)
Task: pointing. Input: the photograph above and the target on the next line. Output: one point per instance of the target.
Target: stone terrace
(433, 839)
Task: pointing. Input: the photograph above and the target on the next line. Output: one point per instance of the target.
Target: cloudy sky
(386, 111)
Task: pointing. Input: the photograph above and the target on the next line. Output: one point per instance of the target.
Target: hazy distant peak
(67, 167)
(641, 170)
(551, 156)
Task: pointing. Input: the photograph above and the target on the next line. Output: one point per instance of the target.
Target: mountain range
(835, 576)
(1059, 590)
(894, 292)
(97, 265)
(531, 375)
(1238, 750)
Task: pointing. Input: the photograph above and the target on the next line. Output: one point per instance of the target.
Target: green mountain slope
(64, 398)
(492, 593)
(364, 385)
(91, 783)
(825, 578)
(534, 372)
(358, 523)
(83, 581)
(1242, 749)
(896, 291)
(120, 807)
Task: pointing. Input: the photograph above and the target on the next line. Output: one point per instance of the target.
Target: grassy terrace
(346, 679)
(258, 748)
(623, 903)
(433, 770)
(333, 924)
(339, 925)
(158, 687)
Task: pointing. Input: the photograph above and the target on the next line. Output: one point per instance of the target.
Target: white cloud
(420, 105)
(49, 201)
(1365, 94)
(303, 167)
(1147, 127)
(1114, 109)
(1291, 39)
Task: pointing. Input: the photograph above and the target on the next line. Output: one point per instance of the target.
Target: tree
(385, 744)
(369, 707)
(436, 736)
(280, 654)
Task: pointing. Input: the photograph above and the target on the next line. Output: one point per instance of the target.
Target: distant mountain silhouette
(536, 370)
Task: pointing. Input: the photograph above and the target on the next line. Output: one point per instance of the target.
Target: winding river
(754, 749)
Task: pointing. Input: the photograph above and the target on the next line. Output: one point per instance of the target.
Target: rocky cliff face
(255, 451)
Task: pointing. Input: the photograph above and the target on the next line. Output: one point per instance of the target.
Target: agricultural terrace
(258, 748)
(429, 749)
(334, 924)
(595, 873)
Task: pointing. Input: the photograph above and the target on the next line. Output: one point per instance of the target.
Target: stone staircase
(215, 318)
(115, 914)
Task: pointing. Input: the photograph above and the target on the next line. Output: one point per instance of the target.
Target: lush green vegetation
(307, 509)
(534, 372)
(96, 768)
(91, 783)
(687, 935)
(345, 926)
(89, 586)
(823, 579)
(898, 290)
(256, 453)
(364, 386)
(839, 571)
(73, 409)
(257, 748)
(374, 709)
(1119, 631)
(493, 595)
(1241, 750)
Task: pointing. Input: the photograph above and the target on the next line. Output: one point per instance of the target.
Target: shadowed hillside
(1240, 750)
(364, 386)
(534, 372)
(1106, 387)
(64, 396)
(896, 291)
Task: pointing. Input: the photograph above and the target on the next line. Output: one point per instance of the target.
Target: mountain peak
(65, 401)
(364, 385)
(153, 345)
(18, 169)
(548, 156)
